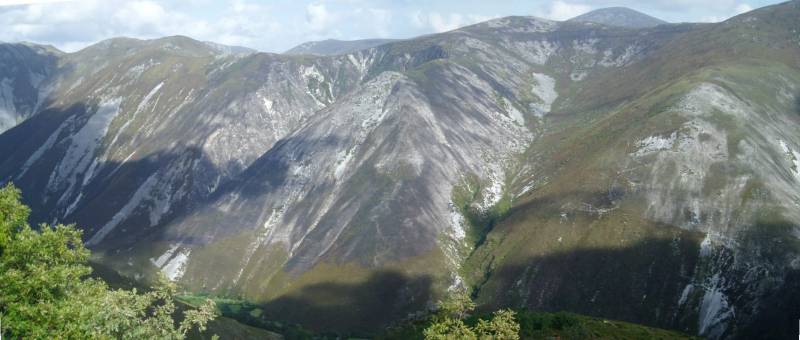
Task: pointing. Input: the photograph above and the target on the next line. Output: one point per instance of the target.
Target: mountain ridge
(619, 16)
(331, 47)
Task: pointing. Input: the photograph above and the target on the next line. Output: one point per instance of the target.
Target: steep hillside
(24, 71)
(648, 175)
(679, 207)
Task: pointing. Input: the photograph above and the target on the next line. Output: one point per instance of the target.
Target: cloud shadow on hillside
(357, 309)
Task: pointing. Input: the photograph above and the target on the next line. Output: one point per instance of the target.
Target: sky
(278, 25)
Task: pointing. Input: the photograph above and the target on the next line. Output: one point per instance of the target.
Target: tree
(448, 322)
(45, 292)
(449, 329)
(503, 325)
(456, 306)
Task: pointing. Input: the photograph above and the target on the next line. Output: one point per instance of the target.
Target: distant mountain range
(650, 174)
(612, 16)
(336, 47)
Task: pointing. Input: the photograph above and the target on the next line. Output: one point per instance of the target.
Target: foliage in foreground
(45, 292)
(453, 322)
(449, 322)
(560, 325)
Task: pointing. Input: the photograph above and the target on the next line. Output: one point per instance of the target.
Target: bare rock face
(648, 174)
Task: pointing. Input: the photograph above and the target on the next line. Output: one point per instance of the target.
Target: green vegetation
(448, 322)
(480, 223)
(249, 316)
(45, 291)
(562, 325)
(466, 197)
(453, 322)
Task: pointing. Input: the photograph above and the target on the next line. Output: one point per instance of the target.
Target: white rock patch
(456, 222)
(175, 268)
(161, 260)
(342, 163)
(48, 144)
(655, 143)
(8, 112)
(715, 310)
(793, 157)
(493, 193)
(609, 60)
(685, 294)
(173, 262)
(545, 89)
(81, 151)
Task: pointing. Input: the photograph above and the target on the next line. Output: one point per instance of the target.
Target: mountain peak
(619, 16)
(177, 44)
(229, 49)
(335, 47)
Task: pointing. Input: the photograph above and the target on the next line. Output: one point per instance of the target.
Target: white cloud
(711, 18)
(277, 25)
(73, 25)
(441, 23)
(445, 22)
(738, 9)
(743, 8)
(318, 18)
(27, 2)
(144, 16)
(344, 19)
(561, 10)
(369, 22)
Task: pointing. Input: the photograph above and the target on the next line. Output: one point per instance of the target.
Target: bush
(45, 292)
(448, 323)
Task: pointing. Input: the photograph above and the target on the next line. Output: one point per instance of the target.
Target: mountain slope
(620, 17)
(24, 69)
(637, 189)
(151, 136)
(645, 174)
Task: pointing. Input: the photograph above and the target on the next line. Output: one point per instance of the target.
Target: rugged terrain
(643, 174)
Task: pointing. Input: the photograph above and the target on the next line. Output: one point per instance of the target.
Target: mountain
(620, 17)
(23, 70)
(228, 49)
(648, 175)
(332, 47)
